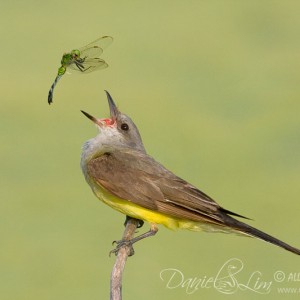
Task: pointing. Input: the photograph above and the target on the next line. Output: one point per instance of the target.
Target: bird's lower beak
(96, 121)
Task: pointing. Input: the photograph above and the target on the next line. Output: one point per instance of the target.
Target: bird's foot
(122, 244)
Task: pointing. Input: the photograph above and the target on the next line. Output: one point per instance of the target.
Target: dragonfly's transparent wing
(91, 52)
(89, 65)
(101, 43)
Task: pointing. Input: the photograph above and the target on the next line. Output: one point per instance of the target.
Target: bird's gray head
(116, 131)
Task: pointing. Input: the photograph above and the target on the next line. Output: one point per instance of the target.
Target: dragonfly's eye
(75, 53)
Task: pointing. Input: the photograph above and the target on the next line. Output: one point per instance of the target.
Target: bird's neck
(90, 149)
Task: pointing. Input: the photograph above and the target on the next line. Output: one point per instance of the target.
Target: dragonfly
(83, 60)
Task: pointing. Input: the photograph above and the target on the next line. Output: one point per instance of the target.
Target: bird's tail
(253, 232)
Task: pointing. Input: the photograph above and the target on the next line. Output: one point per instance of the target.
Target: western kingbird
(121, 174)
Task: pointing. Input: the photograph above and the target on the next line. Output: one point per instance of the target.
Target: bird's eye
(124, 126)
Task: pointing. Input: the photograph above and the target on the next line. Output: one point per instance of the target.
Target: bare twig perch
(122, 253)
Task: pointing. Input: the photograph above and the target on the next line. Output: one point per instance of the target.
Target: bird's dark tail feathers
(253, 232)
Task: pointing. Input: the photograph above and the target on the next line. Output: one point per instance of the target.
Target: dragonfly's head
(75, 53)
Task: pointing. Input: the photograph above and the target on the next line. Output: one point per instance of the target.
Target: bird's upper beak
(114, 112)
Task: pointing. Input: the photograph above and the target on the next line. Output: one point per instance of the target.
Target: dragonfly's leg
(79, 65)
(85, 69)
(81, 59)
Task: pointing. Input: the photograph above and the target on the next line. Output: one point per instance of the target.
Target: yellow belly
(135, 211)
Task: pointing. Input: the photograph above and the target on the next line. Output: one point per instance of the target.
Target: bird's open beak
(114, 112)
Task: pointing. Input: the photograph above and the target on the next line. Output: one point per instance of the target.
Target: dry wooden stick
(122, 253)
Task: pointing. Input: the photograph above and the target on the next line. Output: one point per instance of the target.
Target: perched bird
(121, 174)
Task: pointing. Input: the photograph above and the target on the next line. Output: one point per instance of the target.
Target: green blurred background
(213, 87)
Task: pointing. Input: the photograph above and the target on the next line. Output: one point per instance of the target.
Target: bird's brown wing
(138, 178)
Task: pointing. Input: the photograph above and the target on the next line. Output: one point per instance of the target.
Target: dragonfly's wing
(101, 43)
(89, 65)
(91, 52)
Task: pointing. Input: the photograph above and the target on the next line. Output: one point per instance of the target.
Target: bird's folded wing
(134, 176)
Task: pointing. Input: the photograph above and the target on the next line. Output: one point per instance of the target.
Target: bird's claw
(120, 244)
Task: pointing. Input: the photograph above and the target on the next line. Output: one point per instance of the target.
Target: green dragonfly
(83, 60)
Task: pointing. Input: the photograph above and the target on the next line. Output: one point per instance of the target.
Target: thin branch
(122, 254)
